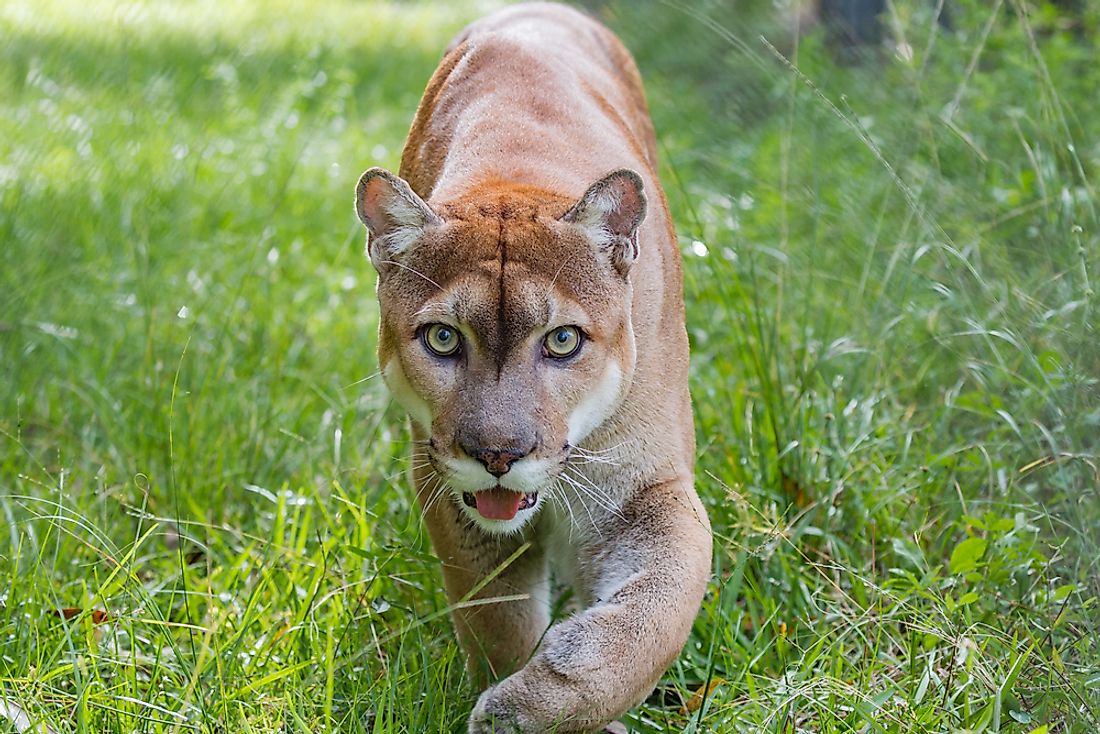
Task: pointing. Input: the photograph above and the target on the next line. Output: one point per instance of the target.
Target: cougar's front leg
(498, 637)
(648, 576)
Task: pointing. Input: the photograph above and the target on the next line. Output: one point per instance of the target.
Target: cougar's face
(508, 340)
(505, 328)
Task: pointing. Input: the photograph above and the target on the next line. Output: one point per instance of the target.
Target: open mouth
(499, 503)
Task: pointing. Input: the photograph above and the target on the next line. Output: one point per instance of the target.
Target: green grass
(891, 281)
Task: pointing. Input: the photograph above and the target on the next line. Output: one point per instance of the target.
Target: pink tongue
(498, 503)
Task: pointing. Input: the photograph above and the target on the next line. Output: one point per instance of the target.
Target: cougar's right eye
(441, 340)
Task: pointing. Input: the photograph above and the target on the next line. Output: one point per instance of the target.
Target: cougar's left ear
(392, 213)
(611, 211)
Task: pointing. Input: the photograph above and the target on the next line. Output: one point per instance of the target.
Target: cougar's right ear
(392, 213)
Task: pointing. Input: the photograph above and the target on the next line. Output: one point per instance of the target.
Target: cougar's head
(505, 328)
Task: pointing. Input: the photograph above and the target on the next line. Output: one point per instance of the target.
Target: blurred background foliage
(891, 246)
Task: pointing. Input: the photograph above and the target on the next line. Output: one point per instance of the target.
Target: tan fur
(532, 203)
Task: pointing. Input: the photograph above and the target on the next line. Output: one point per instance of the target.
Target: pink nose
(497, 461)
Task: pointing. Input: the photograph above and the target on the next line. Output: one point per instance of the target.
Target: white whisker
(582, 460)
(598, 494)
(594, 498)
(577, 490)
(559, 496)
(371, 376)
(414, 271)
(598, 452)
(438, 488)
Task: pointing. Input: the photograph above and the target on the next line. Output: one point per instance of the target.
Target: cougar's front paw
(494, 715)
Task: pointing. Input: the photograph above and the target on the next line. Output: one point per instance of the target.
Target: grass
(891, 280)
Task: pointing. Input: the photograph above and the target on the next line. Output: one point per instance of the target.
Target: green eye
(562, 342)
(441, 340)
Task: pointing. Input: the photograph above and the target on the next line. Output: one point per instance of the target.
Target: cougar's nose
(496, 461)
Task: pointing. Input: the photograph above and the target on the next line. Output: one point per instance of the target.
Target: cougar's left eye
(441, 340)
(562, 342)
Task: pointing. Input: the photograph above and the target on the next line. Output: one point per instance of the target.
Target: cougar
(532, 326)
